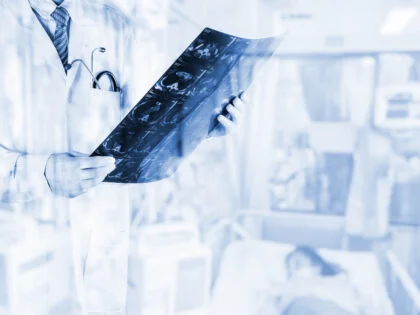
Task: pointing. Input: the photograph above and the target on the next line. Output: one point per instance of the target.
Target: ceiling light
(397, 20)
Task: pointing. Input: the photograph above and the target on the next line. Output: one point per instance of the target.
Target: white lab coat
(43, 111)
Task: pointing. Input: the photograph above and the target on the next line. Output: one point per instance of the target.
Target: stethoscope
(95, 83)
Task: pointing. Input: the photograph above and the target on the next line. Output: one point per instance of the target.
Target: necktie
(61, 38)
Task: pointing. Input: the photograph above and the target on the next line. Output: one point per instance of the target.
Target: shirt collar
(45, 7)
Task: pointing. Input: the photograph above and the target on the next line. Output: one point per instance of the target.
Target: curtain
(367, 207)
(250, 150)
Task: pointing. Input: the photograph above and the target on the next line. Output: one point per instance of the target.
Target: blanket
(322, 292)
(309, 305)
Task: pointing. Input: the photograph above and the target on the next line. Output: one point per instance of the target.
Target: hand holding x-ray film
(180, 110)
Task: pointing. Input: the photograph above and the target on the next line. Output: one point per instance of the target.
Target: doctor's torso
(51, 111)
(44, 110)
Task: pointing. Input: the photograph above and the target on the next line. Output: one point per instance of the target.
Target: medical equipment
(169, 272)
(250, 264)
(397, 107)
(100, 49)
(96, 78)
(32, 280)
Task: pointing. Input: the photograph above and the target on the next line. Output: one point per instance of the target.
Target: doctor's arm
(26, 177)
(19, 178)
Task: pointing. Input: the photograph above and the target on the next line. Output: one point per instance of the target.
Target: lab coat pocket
(93, 119)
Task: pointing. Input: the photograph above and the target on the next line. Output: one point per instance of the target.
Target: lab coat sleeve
(22, 176)
(128, 73)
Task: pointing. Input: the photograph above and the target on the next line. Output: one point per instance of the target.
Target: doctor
(51, 119)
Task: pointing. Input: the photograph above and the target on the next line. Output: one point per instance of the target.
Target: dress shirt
(43, 10)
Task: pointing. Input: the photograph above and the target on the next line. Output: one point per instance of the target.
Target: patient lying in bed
(316, 287)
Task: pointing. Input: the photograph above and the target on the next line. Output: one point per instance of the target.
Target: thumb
(78, 154)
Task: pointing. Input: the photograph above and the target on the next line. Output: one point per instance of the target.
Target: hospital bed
(249, 264)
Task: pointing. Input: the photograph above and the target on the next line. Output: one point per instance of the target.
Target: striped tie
(61, 39)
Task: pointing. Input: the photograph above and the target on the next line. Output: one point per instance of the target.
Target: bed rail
(404, 293)
(288, 222)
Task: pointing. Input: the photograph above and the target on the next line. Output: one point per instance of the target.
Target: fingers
(238, 103)
(89, 183)
(226, 123)
(235, 113)
(90, 173)
(92, 177)
(243, 96)
(79, 154)
(234, 109)
(87, 162)
(93, 171)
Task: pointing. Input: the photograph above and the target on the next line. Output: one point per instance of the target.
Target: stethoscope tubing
(107, 73)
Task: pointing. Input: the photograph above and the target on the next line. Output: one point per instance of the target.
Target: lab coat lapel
(78, 49)
(45, 51)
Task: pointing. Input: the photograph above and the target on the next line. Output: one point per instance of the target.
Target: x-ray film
(180, 110)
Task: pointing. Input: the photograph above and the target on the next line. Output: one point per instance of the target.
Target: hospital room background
(326, 156)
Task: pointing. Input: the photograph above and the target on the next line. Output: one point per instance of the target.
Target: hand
(229, 121)
(70, 175)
